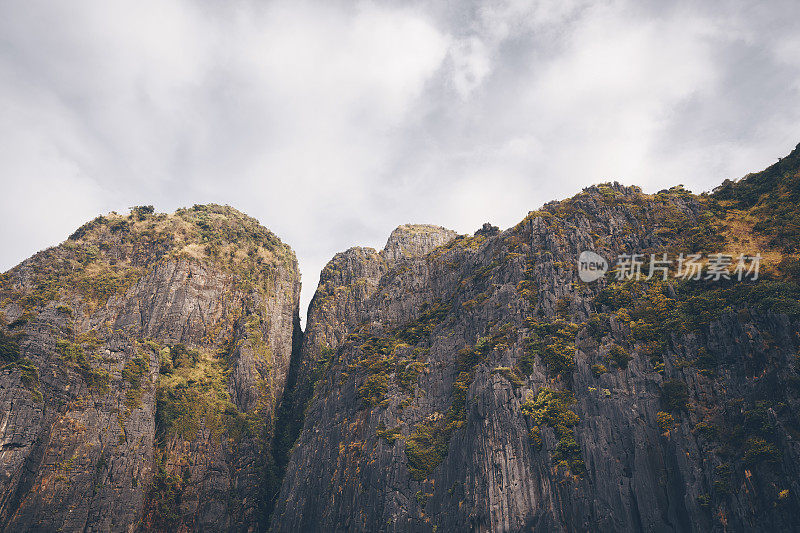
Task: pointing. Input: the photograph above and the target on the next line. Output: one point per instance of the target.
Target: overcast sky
(334, 122)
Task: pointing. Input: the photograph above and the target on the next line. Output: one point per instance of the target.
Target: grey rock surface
(80, 444)
(345, 474)
(154, 377)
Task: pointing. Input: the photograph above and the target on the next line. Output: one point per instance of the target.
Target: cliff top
(413, 240)
(202, 231)
(108, 254)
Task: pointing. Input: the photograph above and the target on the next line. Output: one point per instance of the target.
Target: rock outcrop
(414, 240)
(146, 358)
(480, 385)
(155, 378)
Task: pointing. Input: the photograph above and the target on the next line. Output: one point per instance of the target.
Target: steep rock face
(144, 360)
(346, 289)
(414, 240)
(154, 375)
(481, 386)
(351, 278)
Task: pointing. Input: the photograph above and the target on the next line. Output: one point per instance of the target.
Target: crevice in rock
(288, 423)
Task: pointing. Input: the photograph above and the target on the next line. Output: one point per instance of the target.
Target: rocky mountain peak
(154, 376)
(139, 361)
(472, 387)
(414, 240)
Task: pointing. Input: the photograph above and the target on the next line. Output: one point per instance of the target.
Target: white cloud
(333, 122)
(471, 64)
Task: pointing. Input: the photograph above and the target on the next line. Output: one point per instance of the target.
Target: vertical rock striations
(154, 375)
(144, 359)
(474, 383)
(345, 292)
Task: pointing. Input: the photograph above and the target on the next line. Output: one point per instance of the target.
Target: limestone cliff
(144, 359)
(155, 378)
(479, 385)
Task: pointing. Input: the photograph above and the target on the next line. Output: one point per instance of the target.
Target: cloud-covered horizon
(334, 122)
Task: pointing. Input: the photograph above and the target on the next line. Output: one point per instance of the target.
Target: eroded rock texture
(154, 376)
(478, 385)
(145, 359)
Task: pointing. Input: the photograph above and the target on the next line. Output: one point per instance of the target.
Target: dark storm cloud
(333, 122)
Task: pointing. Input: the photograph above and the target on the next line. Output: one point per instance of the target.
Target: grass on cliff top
(108, 255)
(213, 224)
(680, 220)
(772, 197)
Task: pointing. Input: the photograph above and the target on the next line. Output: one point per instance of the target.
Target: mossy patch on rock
(551, 407)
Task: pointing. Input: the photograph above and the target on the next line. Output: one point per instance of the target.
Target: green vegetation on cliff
(554, 343)
(76, 355)
(194, 396)
(551, 407)
(772, 197)
(105, 257)
(9, 346)
(396, 356)
(427, 444)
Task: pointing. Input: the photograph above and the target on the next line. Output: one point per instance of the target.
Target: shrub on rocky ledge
(675, 395)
